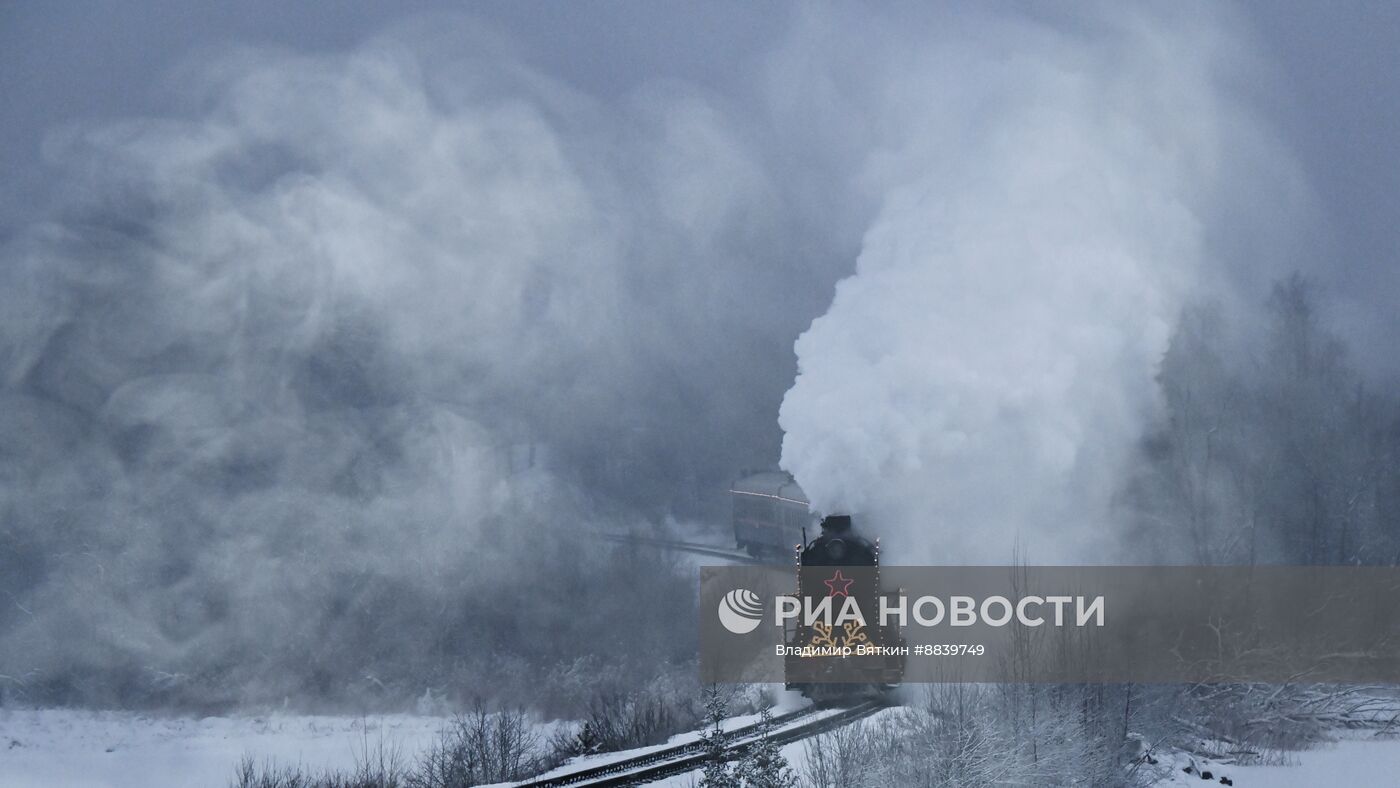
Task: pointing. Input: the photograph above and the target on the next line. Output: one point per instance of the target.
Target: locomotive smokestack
(836, 523)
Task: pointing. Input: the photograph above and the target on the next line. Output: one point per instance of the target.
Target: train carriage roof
(771, 484)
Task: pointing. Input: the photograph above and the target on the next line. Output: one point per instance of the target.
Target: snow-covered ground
(795, 753)
(1360, 760)
(1348, 762)
(62, 748)
(786, 701)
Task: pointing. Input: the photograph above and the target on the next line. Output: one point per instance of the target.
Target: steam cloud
(298, 388)
(313, 381)
(978, 383)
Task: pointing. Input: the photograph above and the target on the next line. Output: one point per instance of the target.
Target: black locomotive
(842, 660)
(839, 545)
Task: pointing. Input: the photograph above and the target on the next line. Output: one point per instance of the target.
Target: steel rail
(682, 758)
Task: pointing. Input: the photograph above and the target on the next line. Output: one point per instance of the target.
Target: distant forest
(1274, 448)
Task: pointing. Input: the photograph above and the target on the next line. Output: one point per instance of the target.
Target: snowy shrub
(380, 767)
(843, 758)
(479, 747)
(622, 721)
(977, 735)
(716, 772)
(763, 764)
(1261, 723)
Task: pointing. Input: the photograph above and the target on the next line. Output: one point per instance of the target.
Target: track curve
(652, 766)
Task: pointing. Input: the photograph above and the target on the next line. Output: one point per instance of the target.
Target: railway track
(657, 765)
(685, 547)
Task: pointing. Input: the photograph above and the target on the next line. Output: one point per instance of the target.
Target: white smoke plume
(977, 384)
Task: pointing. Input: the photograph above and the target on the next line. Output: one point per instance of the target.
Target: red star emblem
(839, 585)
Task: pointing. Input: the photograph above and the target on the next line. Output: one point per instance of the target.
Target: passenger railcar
(771, 514)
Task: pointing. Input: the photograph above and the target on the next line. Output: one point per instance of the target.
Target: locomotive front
(839, 656)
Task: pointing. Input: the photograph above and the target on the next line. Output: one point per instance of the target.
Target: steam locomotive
(772, 518)
(840, 661)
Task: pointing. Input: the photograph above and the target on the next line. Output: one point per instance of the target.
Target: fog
(324, 343)
(397, 315)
